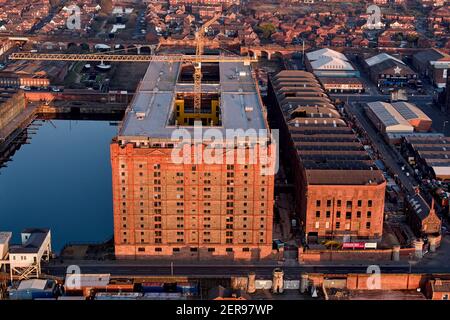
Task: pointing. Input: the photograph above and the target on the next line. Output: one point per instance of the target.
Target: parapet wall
(308, 256)
(387, 281)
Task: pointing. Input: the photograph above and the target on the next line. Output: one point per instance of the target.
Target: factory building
(433, 64)
(329, 63)
(397, 118)
(431, 155)
(388, 71)
(33, 74)
(386, 119)
(339, 190)
(169, 202)
(342, 85)
(415, 117)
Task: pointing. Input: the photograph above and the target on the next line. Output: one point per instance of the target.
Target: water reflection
(57, 174)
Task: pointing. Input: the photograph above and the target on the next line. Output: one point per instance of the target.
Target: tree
(412, 38)
(267, 29)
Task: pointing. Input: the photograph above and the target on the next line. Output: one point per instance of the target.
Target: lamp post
(443, 126)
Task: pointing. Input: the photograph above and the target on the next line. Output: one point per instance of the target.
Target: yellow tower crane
(200, 39)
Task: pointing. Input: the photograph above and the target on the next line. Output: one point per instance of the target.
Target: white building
(25, 259)
(329, 63)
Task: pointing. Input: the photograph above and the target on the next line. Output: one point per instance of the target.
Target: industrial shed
(387, 119)
(329, 63)
(416, 117)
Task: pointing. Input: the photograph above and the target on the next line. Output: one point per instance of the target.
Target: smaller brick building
(433, 64)
(339, 191)
(438, 289)
(422, 217)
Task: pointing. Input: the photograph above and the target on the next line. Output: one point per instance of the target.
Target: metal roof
(389, 116)
(409, 111)
(155, 98)
(381, 58)
(326, 147)
(325, 52)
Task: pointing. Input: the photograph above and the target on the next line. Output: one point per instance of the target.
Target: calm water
(62, 181)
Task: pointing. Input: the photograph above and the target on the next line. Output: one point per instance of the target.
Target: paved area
(439, 258)
(390, 157)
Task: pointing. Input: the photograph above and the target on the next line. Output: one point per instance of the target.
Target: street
(143, 268)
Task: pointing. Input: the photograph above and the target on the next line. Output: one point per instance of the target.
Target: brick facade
(202, 211)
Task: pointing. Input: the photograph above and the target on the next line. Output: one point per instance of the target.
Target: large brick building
(192, 209)
(339, 191)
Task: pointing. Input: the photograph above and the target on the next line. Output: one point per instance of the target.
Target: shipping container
(163, 296)
(188, 288)
(153, 287)
(73, 298)
(33, 289)
(118, 296)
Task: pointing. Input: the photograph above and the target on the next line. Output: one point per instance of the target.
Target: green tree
(267, 29)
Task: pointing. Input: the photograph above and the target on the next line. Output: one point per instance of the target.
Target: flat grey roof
(156, 95)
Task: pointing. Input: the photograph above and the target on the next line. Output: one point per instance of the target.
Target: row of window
(338, 225)
(349, 204)
(174, 250)
(194, 211)
(348, 214)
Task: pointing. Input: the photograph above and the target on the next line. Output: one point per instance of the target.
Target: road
(120, 268)
(391, 158)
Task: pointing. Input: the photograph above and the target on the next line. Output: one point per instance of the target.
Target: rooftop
(388, 115)
(148, 115)
(381, 58)
(33, 243)
(410, 111)
(326, 146)
(325, 52)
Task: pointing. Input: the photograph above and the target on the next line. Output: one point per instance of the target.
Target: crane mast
(200, 39)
